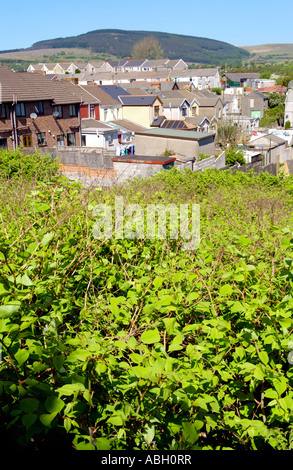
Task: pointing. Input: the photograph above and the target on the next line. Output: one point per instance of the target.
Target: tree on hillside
(147, 48)
(227, 135)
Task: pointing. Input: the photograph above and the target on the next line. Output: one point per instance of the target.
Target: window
(157, 110)
(110, 139)
(27, 141)
(20, 109)
(73, 110)
(39, 108)
(60, 140)
(70, 140)
(252, 103)
(2, 111)
(58, 109)
(3, 143)
(184, 111)
(41, 138)
(92, 111)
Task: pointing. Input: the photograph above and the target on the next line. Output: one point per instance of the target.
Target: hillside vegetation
(139, 344)
(271, 53)
(120, 43)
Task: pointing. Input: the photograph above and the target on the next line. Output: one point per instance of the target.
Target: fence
(91, 157)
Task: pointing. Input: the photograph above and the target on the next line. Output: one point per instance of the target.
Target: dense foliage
(139, 344)
(28, 166)
(234, 155)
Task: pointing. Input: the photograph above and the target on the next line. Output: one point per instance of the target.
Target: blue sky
(241, 23)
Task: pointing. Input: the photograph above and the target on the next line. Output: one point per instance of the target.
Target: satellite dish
(55, 114)
(33, 116)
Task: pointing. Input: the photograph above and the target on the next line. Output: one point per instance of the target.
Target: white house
(176, 108)
(289, 104)
(99, 134)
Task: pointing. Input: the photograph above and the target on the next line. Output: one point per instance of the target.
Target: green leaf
(78, 355)
(46, 419)
(271, 393)
(54, 404)
(116, 420)
(28, 420)
(226, 290)
(24, 280)
(103, 444)
(244, 241)
(67, 424)
(21, 356)
(29, 405)
(189, 432)
(149, 433)
(58, 362)
(47, 238)
(264, 357)
(8, 309)
(41, 207)
(150, 336)
(158, 281)
(169, 325)
(70, 389)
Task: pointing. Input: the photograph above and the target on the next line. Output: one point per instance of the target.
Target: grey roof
(236, 77)
(137, 100)
(174, 102)
(158, 120)
(117, 63)
(94, 124)
(258, 93)
(128, 125)
(114, 91)
(197, 120)
(134, 63)
(270, 139)
(155, 62)
(154, 75)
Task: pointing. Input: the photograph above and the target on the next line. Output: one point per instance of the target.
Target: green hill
(272, 53)
(120, 43)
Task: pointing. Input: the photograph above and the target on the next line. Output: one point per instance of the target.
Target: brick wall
(46, 123)
(86, 172)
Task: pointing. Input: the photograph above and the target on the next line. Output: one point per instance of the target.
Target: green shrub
(234, 155)
(17, 164)
(123, 344)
